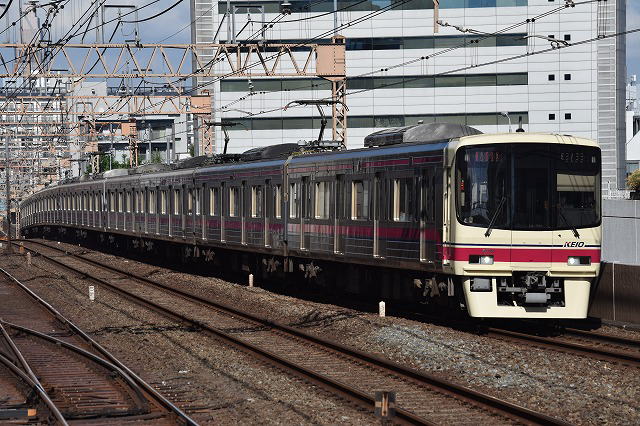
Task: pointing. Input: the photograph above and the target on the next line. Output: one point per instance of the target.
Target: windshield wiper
(495, 216)
(573, 228)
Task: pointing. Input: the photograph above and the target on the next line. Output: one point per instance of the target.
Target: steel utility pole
(7, 166)
(149, 136)
(111, 146)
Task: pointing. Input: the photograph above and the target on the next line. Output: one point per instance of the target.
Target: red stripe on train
(519, 255)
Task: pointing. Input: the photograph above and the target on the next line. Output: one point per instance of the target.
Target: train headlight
(578, 260)
(486, 260)
(481, 259)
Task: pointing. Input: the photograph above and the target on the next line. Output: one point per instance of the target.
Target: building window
(233, 202)
(256, 201)
(323, 198)
(567, 77)
(552, 116)
(552, 77)
(294, 200)
(403, 200)
(360, 200)
(567, 116)
(213, 201)
(567, 37)
(277, 202)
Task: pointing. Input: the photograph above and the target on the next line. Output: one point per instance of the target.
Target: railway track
(421, 398)
(52, 372)
(565, 339)
(578, 342)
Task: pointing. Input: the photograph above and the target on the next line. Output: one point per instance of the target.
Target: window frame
(366, 191)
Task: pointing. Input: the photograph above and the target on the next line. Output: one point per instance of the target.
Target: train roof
(409, 139)
(525, 137)
(420, 133)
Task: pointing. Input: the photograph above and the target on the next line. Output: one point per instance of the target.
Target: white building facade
(483, 59)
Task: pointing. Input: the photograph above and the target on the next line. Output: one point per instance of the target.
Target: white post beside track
(92, 293)
(250, 280)
(381, 309)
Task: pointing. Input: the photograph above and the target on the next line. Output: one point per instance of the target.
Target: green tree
(633, 181)
(156, 158)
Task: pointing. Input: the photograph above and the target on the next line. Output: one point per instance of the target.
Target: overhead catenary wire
(439, 53)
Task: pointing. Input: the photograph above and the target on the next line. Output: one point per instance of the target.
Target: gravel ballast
(576, 389)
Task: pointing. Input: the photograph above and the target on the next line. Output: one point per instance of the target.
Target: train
(497, 225)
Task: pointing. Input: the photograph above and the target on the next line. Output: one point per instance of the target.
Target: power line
(443, 51)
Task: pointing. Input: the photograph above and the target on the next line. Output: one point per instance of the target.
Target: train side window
(277, 210)
(128, 201)
(341, 200)
(256, 201)
(233, 201)
(323, 198)
(189, 202)
(152, 202)
(198, 194)
(112, 202)
(176, 201)
(360, 200)
(163, 201)
(294, 200)
(120, 202)
(403, 205)
(143, 200)
(214, 202)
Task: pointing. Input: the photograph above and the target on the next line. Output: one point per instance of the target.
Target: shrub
(633, 181)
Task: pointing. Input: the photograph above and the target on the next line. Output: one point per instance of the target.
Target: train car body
(504, 225)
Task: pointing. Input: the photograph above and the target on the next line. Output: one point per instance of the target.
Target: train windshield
(528, 186)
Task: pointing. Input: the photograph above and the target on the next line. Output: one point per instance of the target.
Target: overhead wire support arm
(323, 118)
(223, 125)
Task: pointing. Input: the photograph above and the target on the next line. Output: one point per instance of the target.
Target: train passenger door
(267, 209)
(339, 215)
(222, 210)
(183, 210)
(305, 214)
(425, 216)
(377, 193)
(244, 211)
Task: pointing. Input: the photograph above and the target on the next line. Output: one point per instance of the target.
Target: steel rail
(35, 386)
(575, 348)
(553, 343)
(486, 401)
(164, 402)
(139, 399)
(603, 337)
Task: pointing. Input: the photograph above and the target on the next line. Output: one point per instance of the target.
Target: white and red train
(504, 225)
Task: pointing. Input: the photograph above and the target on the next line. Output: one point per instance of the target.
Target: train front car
(524, 224)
